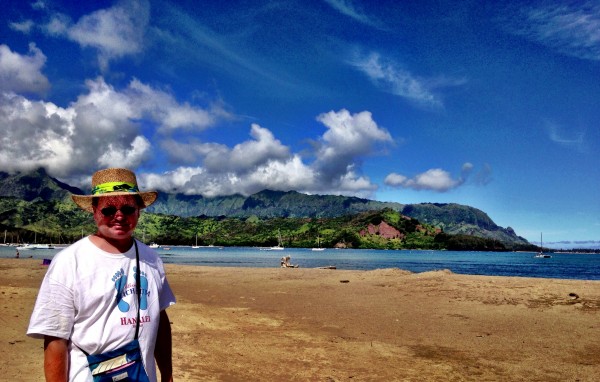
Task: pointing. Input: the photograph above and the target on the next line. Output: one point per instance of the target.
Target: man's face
(116, 216)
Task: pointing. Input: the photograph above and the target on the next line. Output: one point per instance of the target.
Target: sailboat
(35, 245)
(319, 248)
(279, 246)
(152, 245)
(196, 246)
(541, 253)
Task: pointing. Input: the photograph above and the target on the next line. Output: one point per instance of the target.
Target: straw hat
(113, 182)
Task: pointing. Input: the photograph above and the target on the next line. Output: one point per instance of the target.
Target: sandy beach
(276, 324)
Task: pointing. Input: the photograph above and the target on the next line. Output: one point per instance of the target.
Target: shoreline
(238, 324)
(509, 264)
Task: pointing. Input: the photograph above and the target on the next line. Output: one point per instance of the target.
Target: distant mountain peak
(35, 184)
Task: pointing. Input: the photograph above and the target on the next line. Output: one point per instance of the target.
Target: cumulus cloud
(433, 180)
(264, 162)
(22, 73)
(34, 134)
(172, 115)
(571, 29)
(349, 137)
(126, 157)
(244, 157)
(105, 126)
(113, 32)
(169, 181)
(288, 174)
(101, 128)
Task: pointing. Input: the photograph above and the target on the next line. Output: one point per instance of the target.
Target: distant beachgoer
(104, 298)
(285, 262)
(17, 255)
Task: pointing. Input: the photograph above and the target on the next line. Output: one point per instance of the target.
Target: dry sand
(258, 324)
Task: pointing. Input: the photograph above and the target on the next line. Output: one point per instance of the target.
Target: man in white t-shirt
(88, 300)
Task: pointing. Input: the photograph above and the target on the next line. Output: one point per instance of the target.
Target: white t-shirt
(88, 296)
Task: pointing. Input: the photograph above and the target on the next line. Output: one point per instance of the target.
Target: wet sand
(277, 324)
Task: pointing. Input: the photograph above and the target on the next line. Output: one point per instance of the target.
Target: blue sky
(489, 104)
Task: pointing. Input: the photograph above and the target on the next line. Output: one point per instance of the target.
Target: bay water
(520, 264)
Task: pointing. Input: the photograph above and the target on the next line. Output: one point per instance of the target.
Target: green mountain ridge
(266, 204)
(35, 185)
(25, 197)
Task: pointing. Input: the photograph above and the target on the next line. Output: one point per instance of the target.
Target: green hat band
(114, 187)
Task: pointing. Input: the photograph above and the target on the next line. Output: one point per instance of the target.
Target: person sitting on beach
(97, 291)
(285, 262)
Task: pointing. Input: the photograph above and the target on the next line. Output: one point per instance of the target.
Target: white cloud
(288, 174)
(248, 155)
(349, 138)
(573, 140)
(352, 184)
(130, 157)
(114, 32)
(347, 8)
(186, 153)
(58, 25)
(260, 163)
(396, 180)
(393, 79)
(263, 162)
(22, 73)
(39, 4)
(571, 29)
(100, 128)
(34, 134)
(163, 107)
(173, 181)
(434, 179)
(103, 127)
(24, 26)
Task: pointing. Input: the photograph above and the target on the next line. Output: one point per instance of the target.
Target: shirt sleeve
(53, 313)
(167, 298)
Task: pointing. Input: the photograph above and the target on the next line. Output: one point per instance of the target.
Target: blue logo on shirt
(124, 289)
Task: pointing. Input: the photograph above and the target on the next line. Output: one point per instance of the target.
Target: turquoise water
(561, 265)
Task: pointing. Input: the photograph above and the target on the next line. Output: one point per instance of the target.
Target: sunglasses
(125, 210)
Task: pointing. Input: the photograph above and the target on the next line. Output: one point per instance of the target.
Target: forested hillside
(34, 206)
